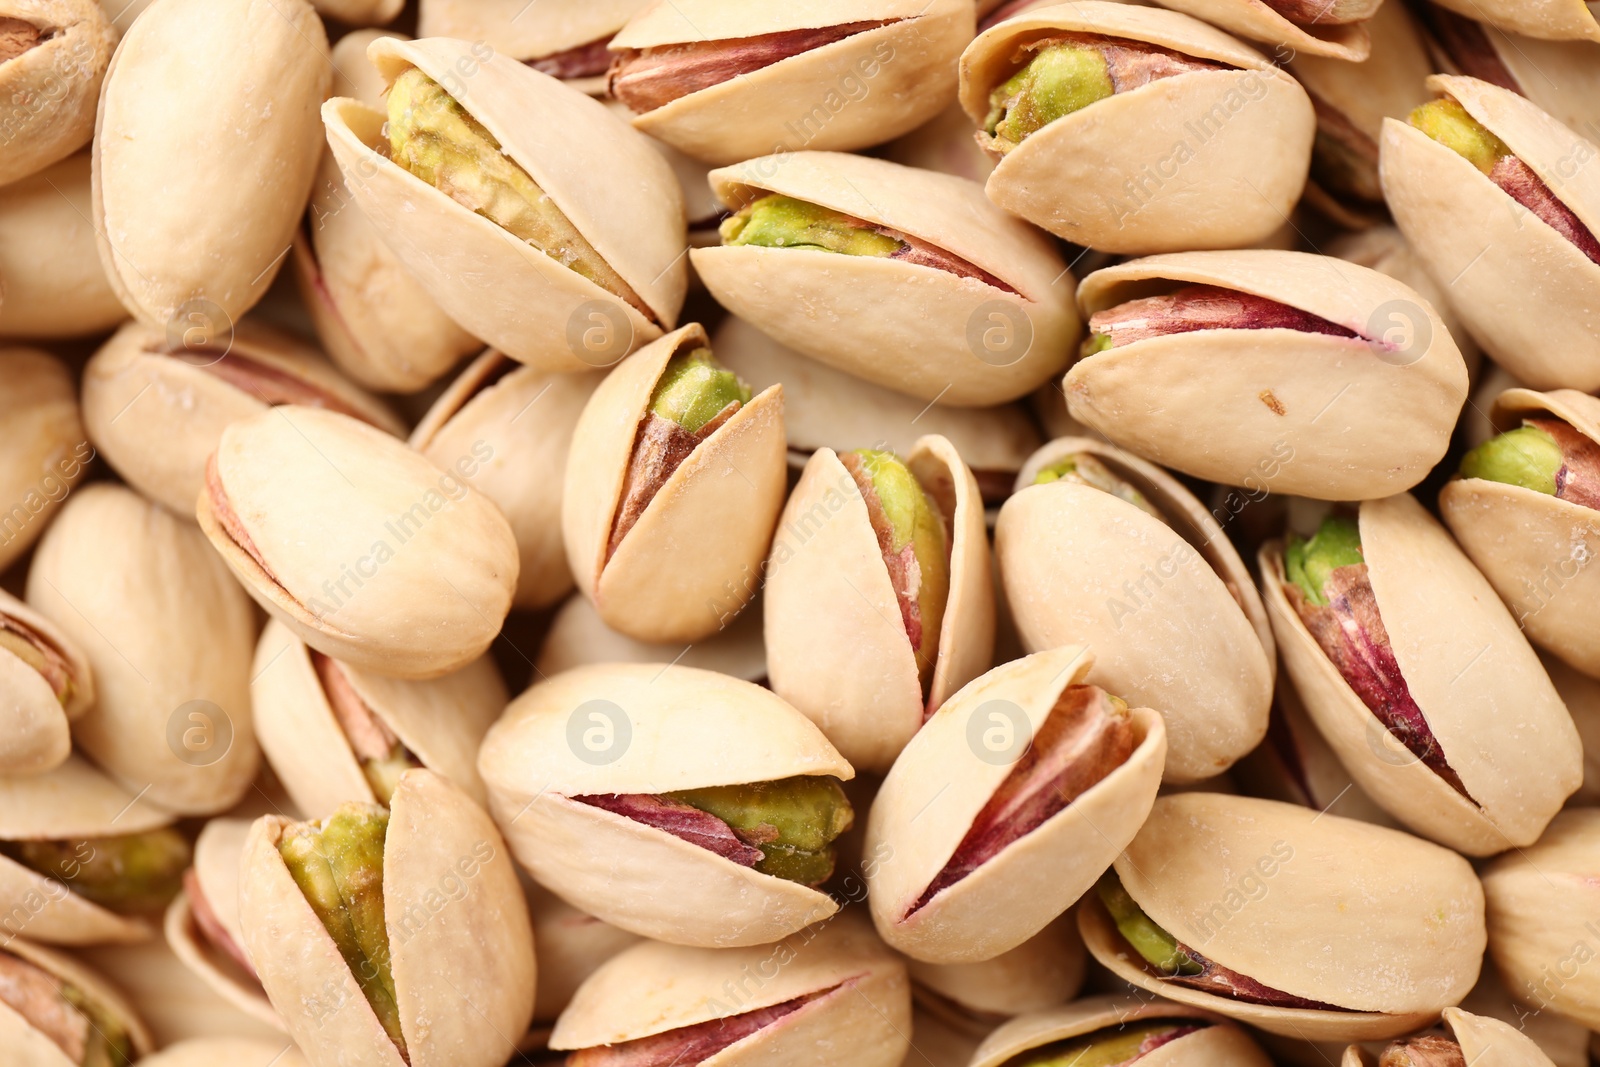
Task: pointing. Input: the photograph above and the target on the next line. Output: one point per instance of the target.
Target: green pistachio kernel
(784, 222)
(1096, 343)
(695, 388)
(793, 821)
(1337, 543)
(1526, 456)
(383, 775)
(129, 874)
(1105, 1049)
(1057, 81)
(1447, 122)
(913, 520)
(1159, 948)
(1081, 468)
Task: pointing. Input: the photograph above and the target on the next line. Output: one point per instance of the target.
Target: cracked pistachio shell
(461, 947)
(861, 1019)
(1255, 20)
(578, 636)
(1528, 295)
(662, 729)
(1484, 1042)
(1195, 643)
(52, 87)
(693, 558)
(506, 429)
(54, 284)
(868, 88)
(1550, 20)
(609, 183)
(74, 800)
(46, 450)
(525, 33)
(1256, 422)
(373, 555)
(198, 213)
(233, 1051)
(572, 946)
(1100, 176)
(1219, 1044)
(1372, 920)
(167, 633)
(919, 330)
(26, 1047)
(157, 416)
(1471, 672)
(829, 599)
(1385, 250)
(34, 735)
(1044, 971)
(1536, 549)
(943, 774)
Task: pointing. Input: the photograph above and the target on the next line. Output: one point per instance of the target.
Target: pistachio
(1157, 947)
(1113, 1031)
(49, 453)
(40, 653)
(1544, 454)
(55, 285)
(72, 1019)
(383, 758)
(1043, 972)
(128, 874)
(53, 59)
(1082, 468)
(1110, 1048)
(1550, 20)
(1200, 307)
(1427, 1050)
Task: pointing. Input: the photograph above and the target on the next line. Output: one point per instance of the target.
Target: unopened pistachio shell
(1256, 20)
(1552, 20)
(52, 83)
(1044, 971)
(45, 682)
(49, 265)
(1214, 1042)
(579, 636)
(105, 1009)
(234, 1051)
(47, 451)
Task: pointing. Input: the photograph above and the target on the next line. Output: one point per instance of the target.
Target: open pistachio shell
(34, 714)
(1257, 420)
(631, 728)
(233, 1051)
(572, 946)
(531, 34)
(1217, 1042)
(1385, 250)
(47, 451)
(461, 948)
(368, 552)
(1383, 926)
(54, 283)
(1206, 159)
(1044, 971)
(1528, 294)
(579, 636)
(1254, 20)
(1481, 1041)
(948, 774)
(157, 411)
(28, 1047)
(506, 430)
(1551, 20)
(609, 183)
(1471, 673)
(829, 599)
(916, 329)
(693, 558)
(54, 85)
(1167, 605)
(869, 87)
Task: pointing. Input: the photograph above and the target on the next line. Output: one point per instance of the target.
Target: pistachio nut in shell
(194, 216)
(572, 946)
(578, 636)
(1093, 164)
(1299, 923)
(506, 429)
(167, 634)
(1034, 781)
(673, 483)
(48, 452)
(879, 567)
(1565, 1041)
(60, 1013)
(54, 283)
(636, 738)
(1465, 1039)
(582, 258)
(234, 1051)
(45, 683)
(1044, 971)
(1550, 20)
(433, 960)
(566, 40)
(834, 990)
(1100, 548)
(724, 83)
(157, 410)
(1292, 336)
(368, 552)
(1119, 1030)
(1528, 288)
(1420, 716)
(907, 278)
(52, 62)
(1342, 30)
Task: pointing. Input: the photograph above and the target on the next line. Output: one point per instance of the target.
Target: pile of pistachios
(739, 533)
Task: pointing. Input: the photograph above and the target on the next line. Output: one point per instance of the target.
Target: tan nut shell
(814, 99)
(525, 420)
(1528, 295)
(527, 33)
(46, 451)
(1564, 1041)
(1471, 672)
(460, 943)
(1044, 971)
(572, 945)
(1385, 250)
(829, 600)
(1581, 694)
(914, 329)
(1255, 20)
(1561, 77)
(679, 728)
(578, 636)
(360, 12)
(694, 554)
(233, 1051)
(1362, 917)
(1551, 20)
(609, 183)
(1194, 644)
(158, 418)
(53, 86)
(33, 723)
(320, 494)
(27, 1047)
(50, 267)
(1483, 1041)
(1256, 419)
(1086, 177)
(1218, 1044)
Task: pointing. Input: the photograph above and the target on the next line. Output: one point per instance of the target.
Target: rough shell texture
(33, 721)
(54, 283)
(54, 85)
(1255, 20)
(1218, 1044)
(47, 451)
(1554, 20)
(27, 1047)
(578, 636)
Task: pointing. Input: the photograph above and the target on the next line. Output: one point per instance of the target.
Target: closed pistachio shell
(530, 34)
(1217, 1042)
(46, 452)
(572, 946)
(53, 86)
(578, 636)
(1381, 925)
(1167, 606)
(1254, 20)
(1551, 20)
(234, 1051)
(632, 728)
(921, 330)
(27, 1047)
(50, 267)
(1489, 1042)
(34, 714)
(1042, 972)
(1257, 422)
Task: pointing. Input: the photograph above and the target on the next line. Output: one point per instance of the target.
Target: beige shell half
(1218, 1044)
(579, 636)
(572, 945)
(1471, 672)
(157, 417)
(1551, 20)
(1255, 20)
(867, 88)
(923, 331)
(1565, 1041)
(1168, 608)
(941, 782)
(33, 723)
(53, 87)
(1528, 295)
(1489, 1042)
(1258, 420)
(1535, 549)
(460, 943)
(828, 600)
(46, 451)
(373, 555)
(49, 264)
(1044, 971)
(862, 1018)
(643, 728)
(1341, 912)
(27, 1047)
(233, 1051)
(1385, 250)
(1208, 159)
(693, 558)
(525, 33)
(1559, 76)
(609, 183)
